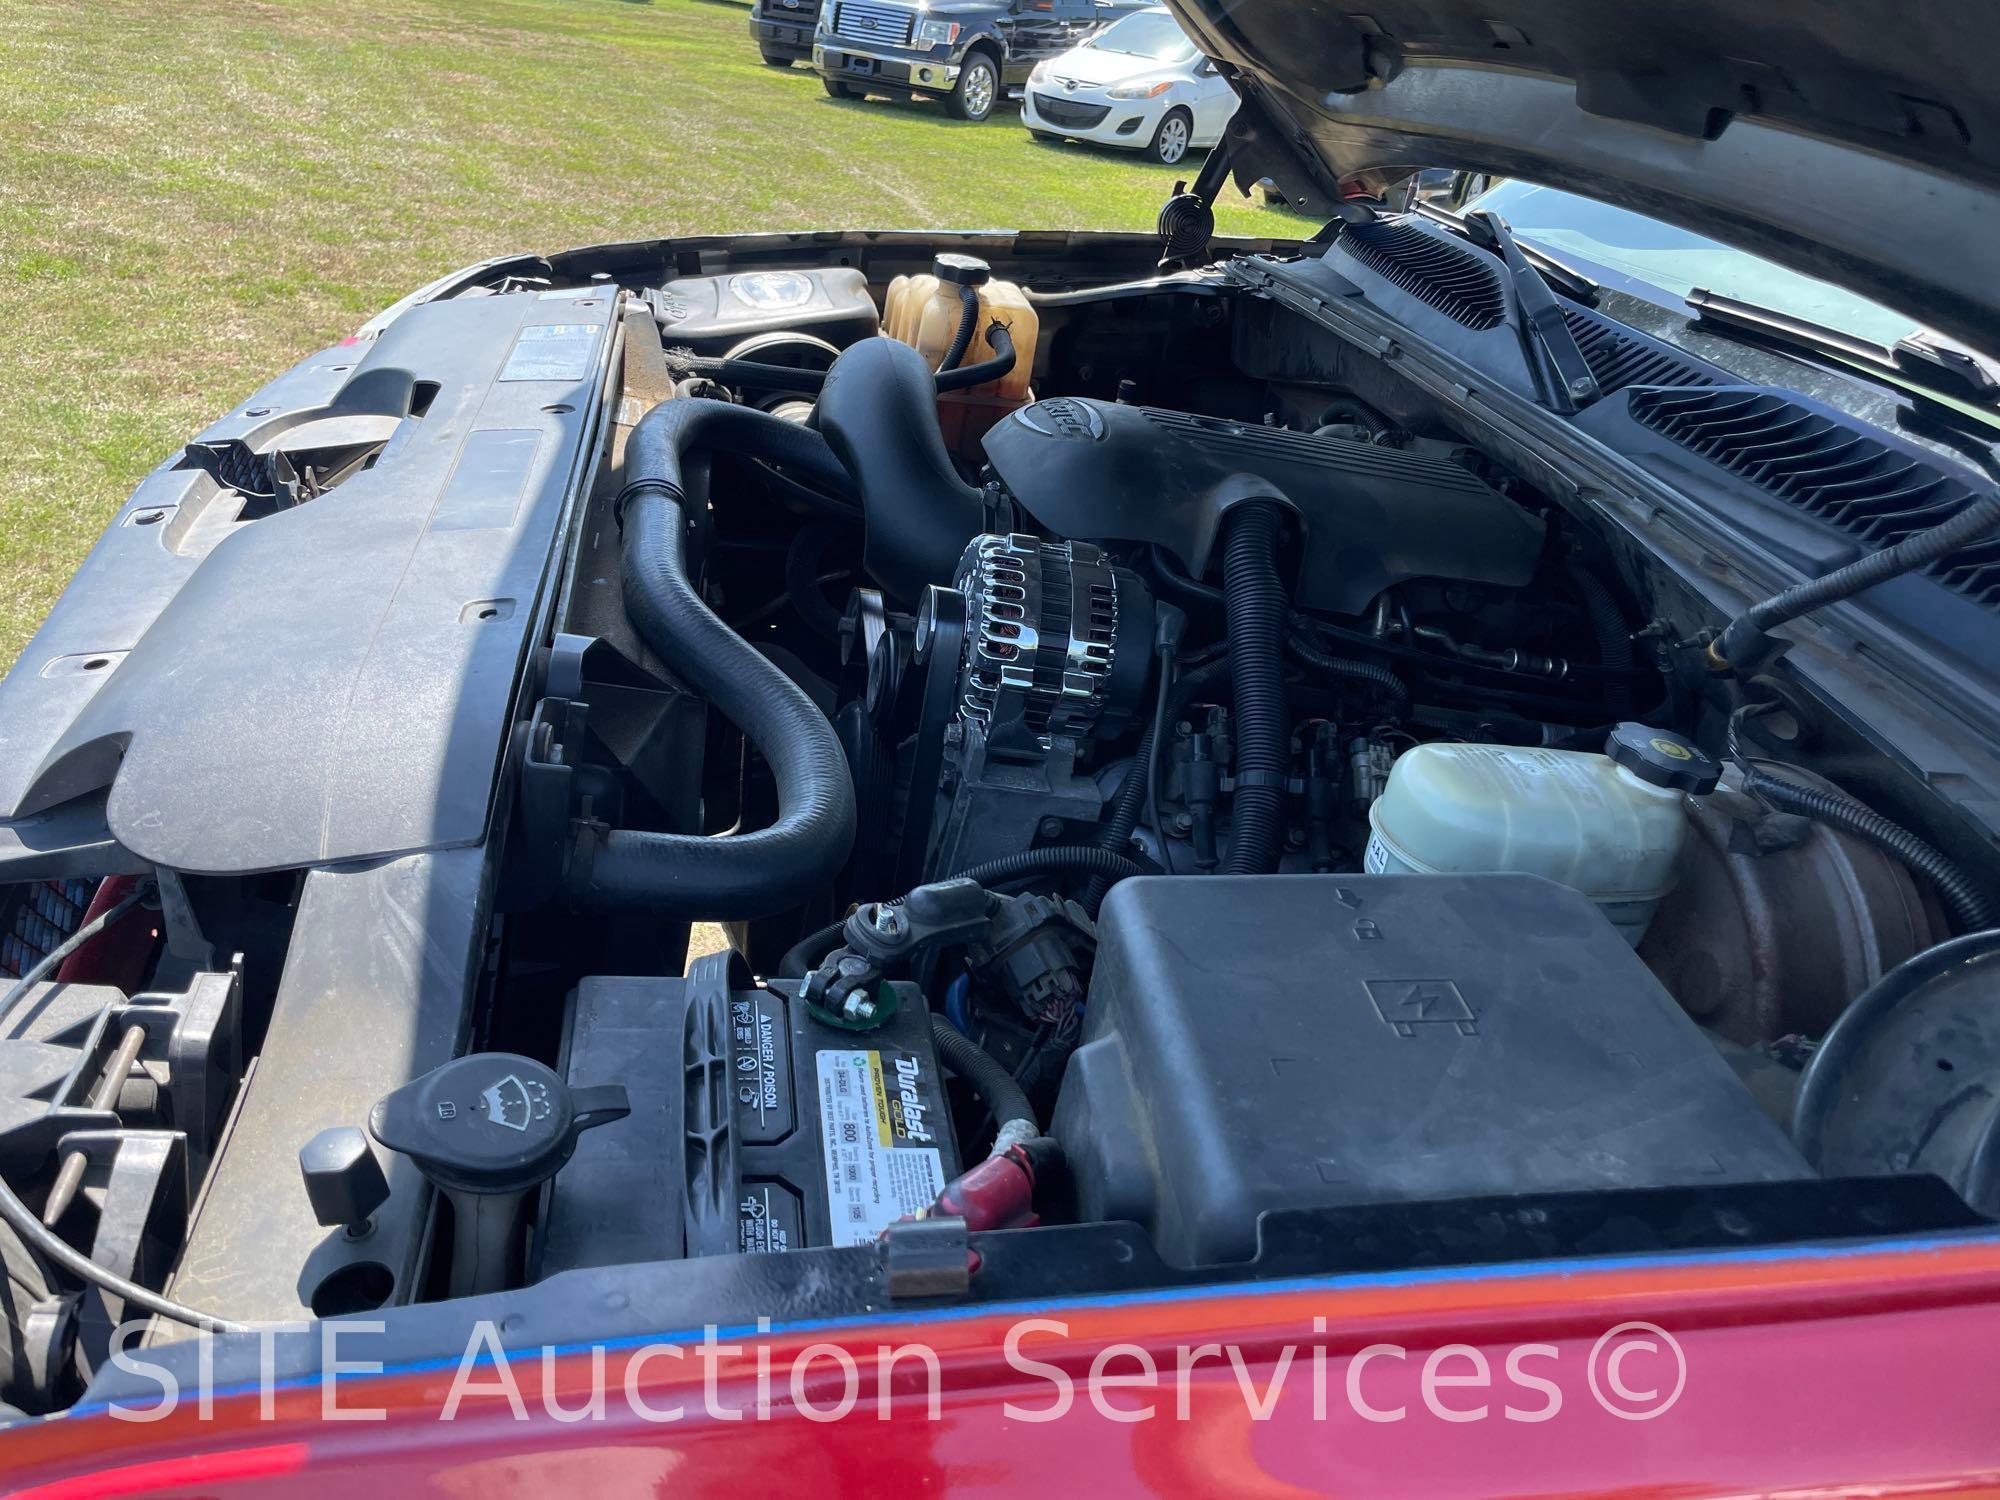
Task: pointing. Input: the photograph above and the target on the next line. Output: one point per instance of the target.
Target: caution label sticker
(551, 351)
(872, 1125)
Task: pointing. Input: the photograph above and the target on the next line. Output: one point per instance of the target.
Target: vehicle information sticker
(551, 351)
(873, 1178)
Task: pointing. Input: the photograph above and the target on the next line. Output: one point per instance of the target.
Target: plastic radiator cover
(1266, 1042)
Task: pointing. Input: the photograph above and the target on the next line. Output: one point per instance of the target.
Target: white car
(1139, 83)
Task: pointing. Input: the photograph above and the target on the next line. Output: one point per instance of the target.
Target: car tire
(837, 90)
(977, 93)
(1170, 141)
(773, 60)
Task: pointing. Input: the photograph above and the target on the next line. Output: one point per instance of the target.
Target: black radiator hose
(803, 558)
(673, 428)
(878, 411)
(1254, 600)
(775, 868)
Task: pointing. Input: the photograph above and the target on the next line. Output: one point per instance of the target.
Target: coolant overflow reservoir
(1610, 826)
(924, 312)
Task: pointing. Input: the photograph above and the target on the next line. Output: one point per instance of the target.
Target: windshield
(1676, 261)
(1151, 33)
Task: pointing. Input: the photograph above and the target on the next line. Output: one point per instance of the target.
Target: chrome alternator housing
(1050, 630)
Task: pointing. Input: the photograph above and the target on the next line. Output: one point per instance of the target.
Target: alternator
(1049, 640)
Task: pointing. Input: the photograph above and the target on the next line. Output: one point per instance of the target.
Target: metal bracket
(926, 1258)
(185, 939)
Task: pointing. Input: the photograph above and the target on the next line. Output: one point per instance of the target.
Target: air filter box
(1277, 1041)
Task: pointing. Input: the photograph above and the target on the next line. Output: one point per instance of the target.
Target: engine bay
(1164, 775)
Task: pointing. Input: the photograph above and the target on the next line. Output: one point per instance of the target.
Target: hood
(1094, 66)
(1854, 140)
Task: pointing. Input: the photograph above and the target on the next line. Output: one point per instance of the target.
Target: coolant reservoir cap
(961, 270)
(1662, 758)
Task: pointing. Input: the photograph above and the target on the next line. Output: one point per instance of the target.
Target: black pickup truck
(784, 30)
(970, 53)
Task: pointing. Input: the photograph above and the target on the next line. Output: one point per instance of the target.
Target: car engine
(1145, 759)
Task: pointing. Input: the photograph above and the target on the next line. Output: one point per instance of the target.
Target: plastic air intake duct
(878, 412)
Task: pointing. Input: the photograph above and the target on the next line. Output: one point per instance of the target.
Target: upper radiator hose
(751, 874)
(1254, 600)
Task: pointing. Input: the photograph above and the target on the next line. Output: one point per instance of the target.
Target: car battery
(756, 1126)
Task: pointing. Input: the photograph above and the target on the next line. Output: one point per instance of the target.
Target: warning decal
(871, 1179)
(551, 351)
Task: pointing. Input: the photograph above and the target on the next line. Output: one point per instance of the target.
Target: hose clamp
(665, 489)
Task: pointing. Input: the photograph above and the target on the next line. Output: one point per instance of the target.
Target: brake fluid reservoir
(1610, 826)
(925, 312)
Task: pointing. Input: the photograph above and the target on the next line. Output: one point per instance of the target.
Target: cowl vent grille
(1874, 492)
(1459, 281)
(1620, 359)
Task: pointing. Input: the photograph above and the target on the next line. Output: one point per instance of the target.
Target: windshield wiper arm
(1563, 372)
(1566, 279)
(1920, 360)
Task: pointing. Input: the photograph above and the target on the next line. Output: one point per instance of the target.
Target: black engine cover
(1372, 517)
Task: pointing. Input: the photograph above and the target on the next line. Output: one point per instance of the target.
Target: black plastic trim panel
(331, 680)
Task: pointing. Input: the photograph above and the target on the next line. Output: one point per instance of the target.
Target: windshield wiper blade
(1563, 372)
(1920, 360)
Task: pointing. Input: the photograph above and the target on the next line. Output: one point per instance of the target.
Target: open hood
(1856, 141)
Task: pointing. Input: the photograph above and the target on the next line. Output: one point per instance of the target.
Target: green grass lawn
(196, 193)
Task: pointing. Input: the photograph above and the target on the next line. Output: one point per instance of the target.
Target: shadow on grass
(928, 108)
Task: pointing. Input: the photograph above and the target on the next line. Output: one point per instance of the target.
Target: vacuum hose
(1968, 905)
(1614, 638)
(968, 324)
(1254, 600)
(1308, 655)
(752, 874)
(1746, 641)
(951, 375)
(965, 377)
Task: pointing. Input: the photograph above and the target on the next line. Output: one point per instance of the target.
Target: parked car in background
(1139, 83)
(784, 30)
(970, 53)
